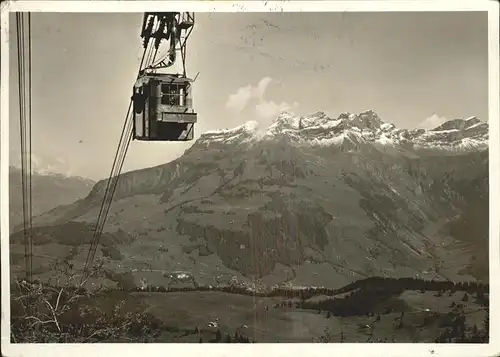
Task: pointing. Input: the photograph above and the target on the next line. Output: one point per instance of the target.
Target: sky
(415, 69)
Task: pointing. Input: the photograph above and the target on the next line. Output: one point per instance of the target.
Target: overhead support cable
(23, 27)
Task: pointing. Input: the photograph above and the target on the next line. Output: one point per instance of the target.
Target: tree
(400, 324)
(43, 306)
(487, 326)
(58, 311)
(475, 336)
(462, 336)
(218, 336)
(227, 338)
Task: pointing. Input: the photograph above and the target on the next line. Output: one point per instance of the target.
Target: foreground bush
(65, 312)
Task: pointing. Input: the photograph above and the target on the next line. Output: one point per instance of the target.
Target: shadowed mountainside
(311, 201)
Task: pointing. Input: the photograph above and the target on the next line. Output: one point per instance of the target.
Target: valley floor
(213, 316)
(265, 320)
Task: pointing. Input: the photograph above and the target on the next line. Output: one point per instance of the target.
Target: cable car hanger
(161, 107)
(161, 103)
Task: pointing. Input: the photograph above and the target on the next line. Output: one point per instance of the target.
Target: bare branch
(58, 298)
(38, 321)
(53, 314)
(21, 297)
(109, 330)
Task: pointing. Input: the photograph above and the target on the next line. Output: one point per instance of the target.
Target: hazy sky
(408, 67)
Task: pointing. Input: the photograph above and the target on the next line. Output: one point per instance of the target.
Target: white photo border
(278, 349)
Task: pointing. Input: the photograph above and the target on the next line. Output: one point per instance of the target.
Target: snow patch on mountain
(352, 130)
(239, 134)
(43, 165)
(52, 174)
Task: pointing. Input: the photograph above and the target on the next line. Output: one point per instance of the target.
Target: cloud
(268, 109)
(432, 122)
(249, 94)
(262, 86)
(239, 100)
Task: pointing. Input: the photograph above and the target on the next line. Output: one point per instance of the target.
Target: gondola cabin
(163, 108)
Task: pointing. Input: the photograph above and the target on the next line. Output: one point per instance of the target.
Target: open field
(215, 316)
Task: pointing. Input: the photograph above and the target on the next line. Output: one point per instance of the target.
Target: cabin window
(173, 94)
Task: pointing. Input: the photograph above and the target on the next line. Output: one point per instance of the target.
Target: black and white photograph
(250, 172)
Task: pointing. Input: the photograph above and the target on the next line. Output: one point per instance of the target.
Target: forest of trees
(372, 292)
(385, 286)
(456, 330)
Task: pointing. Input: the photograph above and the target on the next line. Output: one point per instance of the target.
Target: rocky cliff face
(312, 200)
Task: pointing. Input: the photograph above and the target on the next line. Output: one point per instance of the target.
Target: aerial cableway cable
(24, 83)
(121, 152)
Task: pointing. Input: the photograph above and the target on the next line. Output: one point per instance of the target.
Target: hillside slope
(310, 201)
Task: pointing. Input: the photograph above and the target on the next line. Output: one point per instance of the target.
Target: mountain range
(313, 200)
(49, 190)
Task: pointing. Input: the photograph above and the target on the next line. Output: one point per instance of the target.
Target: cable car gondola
(163, 108)
(162, 102)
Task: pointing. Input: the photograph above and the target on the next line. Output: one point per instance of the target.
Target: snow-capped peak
(284, 121)
(244, 131)
(43, 164)
(365, 120)
(353, 130)
(459, 124)
(248, 126)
